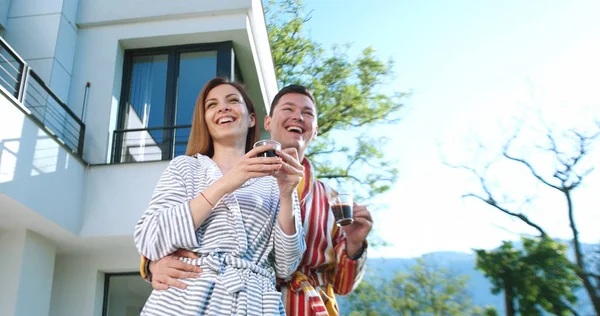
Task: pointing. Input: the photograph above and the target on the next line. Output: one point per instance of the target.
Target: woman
(237, 211)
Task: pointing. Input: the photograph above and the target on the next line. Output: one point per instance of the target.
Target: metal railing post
(22, 92)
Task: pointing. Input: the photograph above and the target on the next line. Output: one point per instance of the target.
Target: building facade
(95, 98)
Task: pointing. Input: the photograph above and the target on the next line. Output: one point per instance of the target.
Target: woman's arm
(171, 220)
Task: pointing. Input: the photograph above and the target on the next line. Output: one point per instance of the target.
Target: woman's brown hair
(200, 140)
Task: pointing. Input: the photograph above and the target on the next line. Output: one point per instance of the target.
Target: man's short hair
(293, 88)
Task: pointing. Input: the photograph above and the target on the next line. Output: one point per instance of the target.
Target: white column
(27, 262)
(44, 33)
(37, 272)
(11, 257)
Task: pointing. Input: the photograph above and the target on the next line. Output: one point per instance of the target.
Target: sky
(476, 69)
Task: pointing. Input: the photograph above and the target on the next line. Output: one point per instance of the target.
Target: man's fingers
(178, 274)
(363, 214)
(290, 159)
(168, 281)
(182, 266)
(292, 152)
(184, 253)
(363, 222)
(158, 285)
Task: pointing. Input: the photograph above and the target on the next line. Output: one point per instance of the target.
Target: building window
(158, 96)
(124, 294)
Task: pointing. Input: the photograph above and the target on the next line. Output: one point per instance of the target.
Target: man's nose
(298, 116)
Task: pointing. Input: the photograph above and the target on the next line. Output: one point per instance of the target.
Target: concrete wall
(117, 196)
(36, 171)
(108, 11)
(44, 34)
(27, 272)
(78, 288)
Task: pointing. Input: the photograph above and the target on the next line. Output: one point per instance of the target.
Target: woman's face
(226, 114)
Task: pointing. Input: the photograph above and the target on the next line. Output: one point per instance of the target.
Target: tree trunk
(509, 301)
(579, 257)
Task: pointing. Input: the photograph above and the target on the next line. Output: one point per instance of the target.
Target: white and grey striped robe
(241, 246)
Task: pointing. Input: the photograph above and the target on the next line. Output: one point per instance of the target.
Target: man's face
(294, 122)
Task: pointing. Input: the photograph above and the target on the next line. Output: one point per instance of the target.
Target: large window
(124, 294)
(159, 91)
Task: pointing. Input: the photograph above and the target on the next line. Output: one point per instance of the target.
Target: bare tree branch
(491, 201)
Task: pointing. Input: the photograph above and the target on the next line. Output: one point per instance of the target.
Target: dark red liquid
(343, 214)
(267, 154)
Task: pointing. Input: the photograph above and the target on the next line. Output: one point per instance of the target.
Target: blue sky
(476, 68)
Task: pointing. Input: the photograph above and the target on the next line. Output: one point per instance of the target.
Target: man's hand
(356, 233)
(167, 270)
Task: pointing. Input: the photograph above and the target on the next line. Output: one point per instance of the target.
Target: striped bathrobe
(325, 269)
(241, 246)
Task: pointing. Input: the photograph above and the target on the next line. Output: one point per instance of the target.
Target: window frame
(106, 289)
(226, 67)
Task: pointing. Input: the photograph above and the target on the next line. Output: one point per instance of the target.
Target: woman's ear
(252, 120)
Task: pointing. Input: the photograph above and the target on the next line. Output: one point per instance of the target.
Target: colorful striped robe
(325, 268)
(241, 246)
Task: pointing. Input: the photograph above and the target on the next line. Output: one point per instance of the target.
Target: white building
(95, 97)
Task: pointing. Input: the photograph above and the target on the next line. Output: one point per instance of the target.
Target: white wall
(27, 262)
(4, 6)
(45, 177)
(117, 196)
(79, 281)
(11, 259)
(99, 56)
(44, 33)
(37, 270)
(109, 11)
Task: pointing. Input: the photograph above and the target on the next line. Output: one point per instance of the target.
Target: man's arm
(350, 269)
(350, 244)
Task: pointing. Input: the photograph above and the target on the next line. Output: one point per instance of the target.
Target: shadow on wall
(31, 155)
(37, 171)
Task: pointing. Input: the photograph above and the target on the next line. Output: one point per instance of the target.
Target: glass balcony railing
(149, 144)
(39, 102)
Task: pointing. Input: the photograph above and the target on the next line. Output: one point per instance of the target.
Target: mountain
(460, 264)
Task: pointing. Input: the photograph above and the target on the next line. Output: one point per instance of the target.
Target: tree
(559, 165)
(538, 277)
(424, 290)
(370, 298)
(348, 95)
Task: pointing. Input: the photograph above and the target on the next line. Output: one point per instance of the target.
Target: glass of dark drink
(341, 205)
(269, 153)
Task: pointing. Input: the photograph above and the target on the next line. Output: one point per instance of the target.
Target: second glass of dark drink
(341, 205)
(269, 153)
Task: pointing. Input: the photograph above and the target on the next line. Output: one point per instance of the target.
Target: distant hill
(460, 264)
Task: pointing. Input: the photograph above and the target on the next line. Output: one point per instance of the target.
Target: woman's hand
(250, 166)
(290, 173)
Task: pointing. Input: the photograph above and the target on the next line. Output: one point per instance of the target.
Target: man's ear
(316, 132)
(267, 123)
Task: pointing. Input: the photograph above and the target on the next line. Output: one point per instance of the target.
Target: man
(335, 258)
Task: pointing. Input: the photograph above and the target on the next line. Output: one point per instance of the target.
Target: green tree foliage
(424, 290)
(535, 279)
(348, 95)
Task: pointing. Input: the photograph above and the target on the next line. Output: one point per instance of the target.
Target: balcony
(38, 102)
